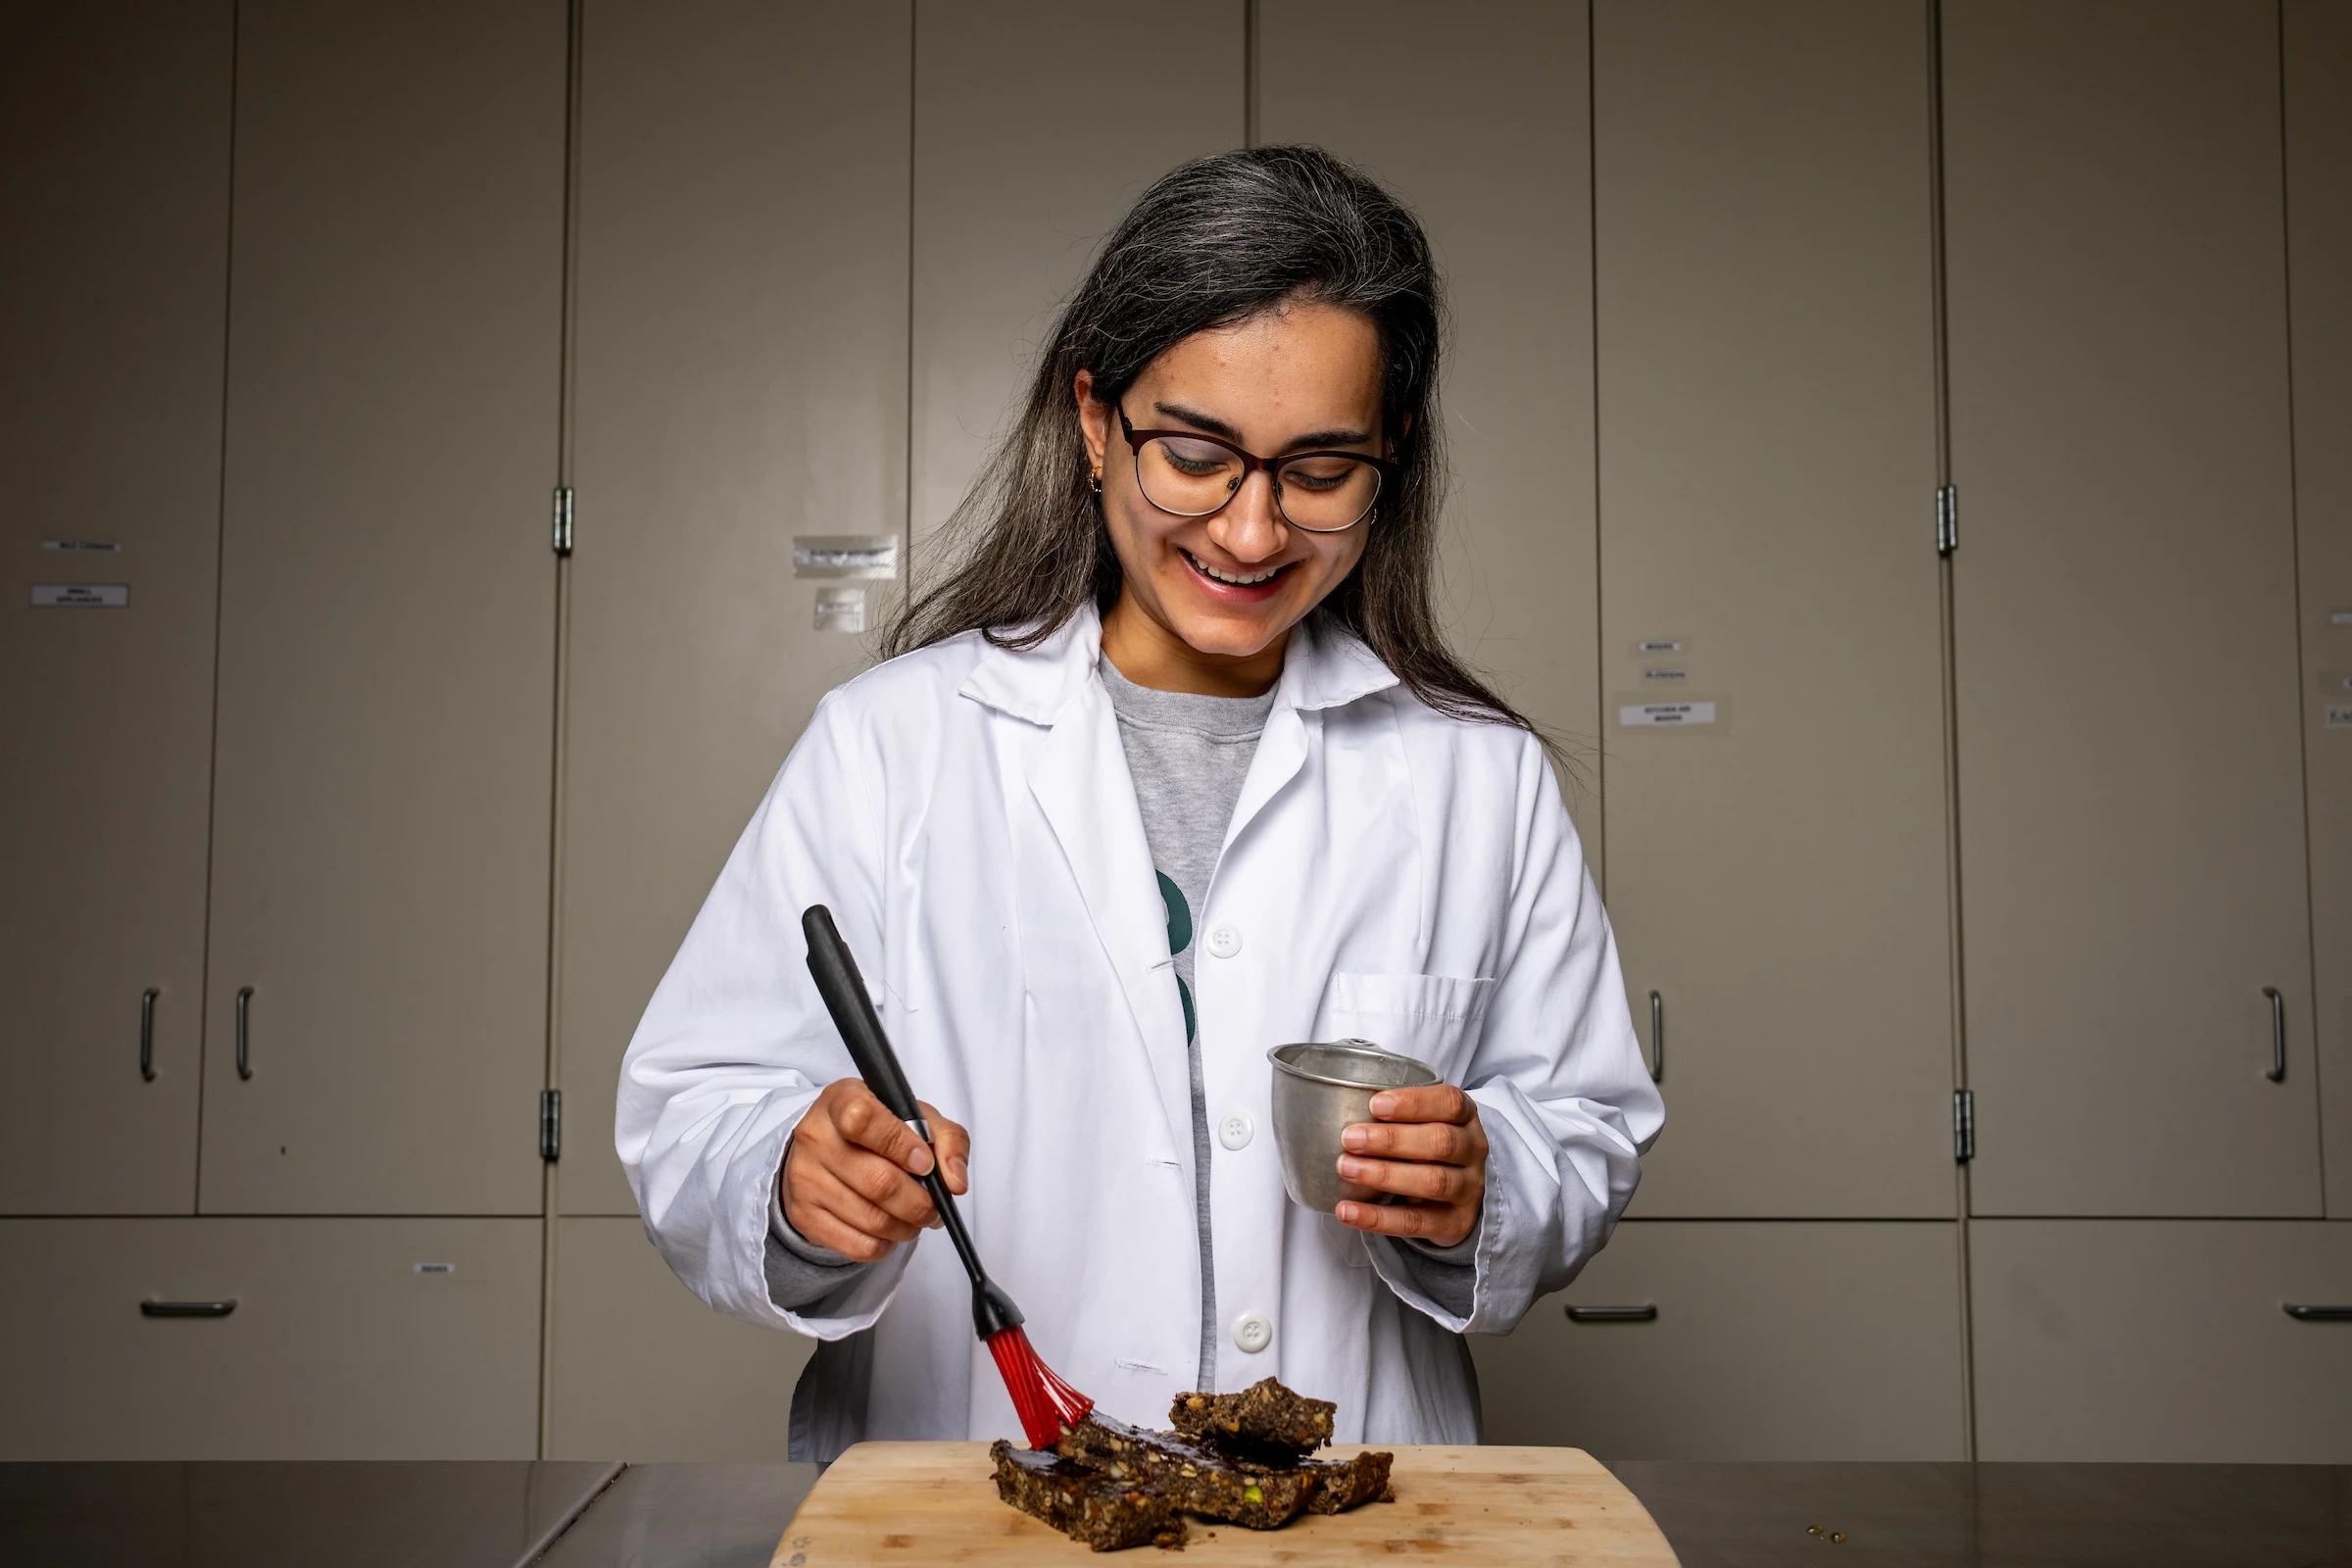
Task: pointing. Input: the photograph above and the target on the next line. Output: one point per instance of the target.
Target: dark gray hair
(1215, 242)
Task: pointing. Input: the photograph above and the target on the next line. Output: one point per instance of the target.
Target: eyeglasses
(1187, 474)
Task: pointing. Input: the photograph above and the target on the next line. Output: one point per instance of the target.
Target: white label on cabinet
(841, 610)
(103, 546)
(2340, 716)
(845, 556)
(1661, 645)
(81, 595)
(2339, 617)
(1642, 715)
(436, 1268)
(1664, 672)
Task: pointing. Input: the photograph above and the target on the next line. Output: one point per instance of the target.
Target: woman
(1172, 766)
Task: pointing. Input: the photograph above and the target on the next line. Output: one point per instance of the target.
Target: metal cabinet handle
(244, 1000)
(1657, 1038)
(1646, 1312)
(2277, 1072)
(188, 1308)
(147, 1033)
(2317, 1315)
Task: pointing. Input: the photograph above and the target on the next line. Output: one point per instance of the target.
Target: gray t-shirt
(1189, 756)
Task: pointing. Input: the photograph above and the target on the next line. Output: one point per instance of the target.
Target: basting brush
(1045, 1403)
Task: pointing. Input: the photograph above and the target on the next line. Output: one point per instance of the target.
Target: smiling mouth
(1236, 579)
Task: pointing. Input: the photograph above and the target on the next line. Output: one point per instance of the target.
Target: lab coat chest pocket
(1433, 1018)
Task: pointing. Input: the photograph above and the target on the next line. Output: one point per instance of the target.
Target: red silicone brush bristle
(1045, 1403)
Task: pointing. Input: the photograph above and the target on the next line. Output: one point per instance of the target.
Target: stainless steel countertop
(687, 1517)
(597, 1515)
(1978, 1515)
(353, 1515)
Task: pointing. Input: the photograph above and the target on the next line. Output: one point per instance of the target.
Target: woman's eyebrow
(1216, 426)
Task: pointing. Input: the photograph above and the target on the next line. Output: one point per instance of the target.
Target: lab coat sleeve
(1562, 1092)
(736, 1044)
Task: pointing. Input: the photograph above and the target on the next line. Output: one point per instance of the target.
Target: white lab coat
(966, 811)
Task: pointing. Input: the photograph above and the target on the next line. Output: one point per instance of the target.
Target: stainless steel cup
(1321, 1089)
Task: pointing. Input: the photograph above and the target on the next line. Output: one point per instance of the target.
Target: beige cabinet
(1482, 127)
(379, 886)
(2317, 59)
(2130, 705)
(1022, 165)
(280, 1338)
(2173, 1341)
(1770, 626)
(641, 1370)
(1759, 1339)
(113, 174)
(741, 387)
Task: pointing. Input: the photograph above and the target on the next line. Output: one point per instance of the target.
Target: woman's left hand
(1426, 1149)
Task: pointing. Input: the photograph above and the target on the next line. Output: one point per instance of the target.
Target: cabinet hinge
(1947, 520)
(563, 519)
(1964, 1125)
(550, 1124)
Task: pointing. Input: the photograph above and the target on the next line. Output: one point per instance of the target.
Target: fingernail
(919, 1163)
(1355, 1137)
(1345, 1214)
(1351, 1167)
(1382, 1104)
(959, 1172)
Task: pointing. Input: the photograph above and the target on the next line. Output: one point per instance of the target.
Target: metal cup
(1321, 1090)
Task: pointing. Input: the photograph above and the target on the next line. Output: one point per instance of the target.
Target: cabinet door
(114, 172)
(1482, 127)
(1037, 124)
(643, 1371)
(379, 1338)
(1770, 599)
(2129, 772)
(2317, 57)
(2162, 1341)
(741, 383)
(1770, 1339)
(381, 822)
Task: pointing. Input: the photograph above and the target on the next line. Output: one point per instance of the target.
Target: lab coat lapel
(1078, 776)
(1325, 666)
(1281, 753)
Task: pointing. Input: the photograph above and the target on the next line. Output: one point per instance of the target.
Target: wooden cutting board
(926, 1502)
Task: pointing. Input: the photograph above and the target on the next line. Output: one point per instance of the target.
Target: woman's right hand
(849, 1180)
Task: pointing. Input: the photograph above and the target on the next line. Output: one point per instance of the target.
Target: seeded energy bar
(1236, 1457)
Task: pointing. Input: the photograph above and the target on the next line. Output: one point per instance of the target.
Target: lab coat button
(1253, 1332)
(1236, 1131)
(1224, 942)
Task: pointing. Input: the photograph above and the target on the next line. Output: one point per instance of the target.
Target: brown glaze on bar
(1254, 1494)
(1101, 1510)
(1263, 1420)
(1236, 1457)
(1203, 1481)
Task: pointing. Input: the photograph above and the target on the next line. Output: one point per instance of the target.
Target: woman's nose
(1249, 528)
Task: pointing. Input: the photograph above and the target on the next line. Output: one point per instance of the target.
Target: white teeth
(1209, 570)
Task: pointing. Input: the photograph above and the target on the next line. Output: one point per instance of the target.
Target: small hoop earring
(1095, 481)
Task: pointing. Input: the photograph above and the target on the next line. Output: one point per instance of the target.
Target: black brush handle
(852, 1009)
(845, 997)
